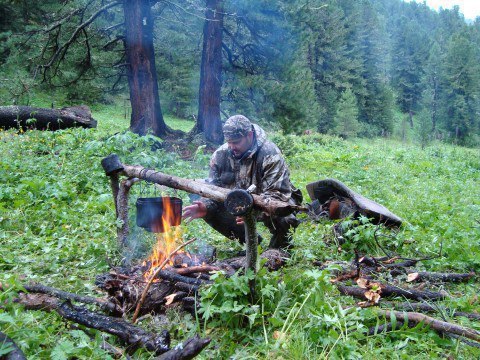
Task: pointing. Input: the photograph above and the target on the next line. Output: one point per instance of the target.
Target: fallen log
(102, 303)
(443, 277)
(175, 277)
(131, 335)
(15, 353)
(173, 298)
(437, 325)
(183, 260)
(426, 307)
(187, 350)
(388, 327)
(403, 264)
(27, 117)
(196, 269)
(389, 290)
(275, 260)
(188, 288)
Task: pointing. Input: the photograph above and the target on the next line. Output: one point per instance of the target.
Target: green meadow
(58, 227)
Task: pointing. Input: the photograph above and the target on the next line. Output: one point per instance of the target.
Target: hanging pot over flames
(157, 214)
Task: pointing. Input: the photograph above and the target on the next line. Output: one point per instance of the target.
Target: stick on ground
(132, 335)
(437, 325)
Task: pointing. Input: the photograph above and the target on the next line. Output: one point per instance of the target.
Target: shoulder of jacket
(221, 154)
(269, 148)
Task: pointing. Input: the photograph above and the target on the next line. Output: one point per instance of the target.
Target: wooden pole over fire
(112, 166)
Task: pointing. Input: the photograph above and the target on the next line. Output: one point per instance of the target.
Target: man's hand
(195, 211)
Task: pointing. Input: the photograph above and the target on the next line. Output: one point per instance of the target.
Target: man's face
(239, 146)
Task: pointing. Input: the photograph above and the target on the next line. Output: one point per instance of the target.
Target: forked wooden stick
(157, 270)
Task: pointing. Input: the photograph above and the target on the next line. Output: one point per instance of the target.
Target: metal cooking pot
(151, 214)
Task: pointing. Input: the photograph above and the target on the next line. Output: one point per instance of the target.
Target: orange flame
(167, 238)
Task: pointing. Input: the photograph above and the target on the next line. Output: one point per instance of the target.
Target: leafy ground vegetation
(58, 228)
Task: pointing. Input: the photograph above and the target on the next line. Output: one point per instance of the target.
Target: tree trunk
(142, 77)
(434, 105)
(27, 117)
(208, 120)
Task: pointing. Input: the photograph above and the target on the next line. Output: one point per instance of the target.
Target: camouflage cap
(235, 127)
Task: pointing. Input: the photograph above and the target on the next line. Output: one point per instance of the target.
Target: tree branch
(62, 50)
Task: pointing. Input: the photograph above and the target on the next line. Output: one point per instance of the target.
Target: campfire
(168, 239)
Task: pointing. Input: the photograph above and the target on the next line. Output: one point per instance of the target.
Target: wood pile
(175, 286)
(402, 292)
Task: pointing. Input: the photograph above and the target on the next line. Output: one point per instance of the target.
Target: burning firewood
(175, 277)
(196, 269)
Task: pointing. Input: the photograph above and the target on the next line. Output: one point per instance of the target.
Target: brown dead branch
(27, 117)
(443, 277)
(175, 277)
(196, 269)
(187, 350)
(435, 324)
(426, 307)
(389, 291)
(154, 276)
(121, 204)
(388, 327)
(186, 287)
(62, 49)
(132, 335)
(102, 303)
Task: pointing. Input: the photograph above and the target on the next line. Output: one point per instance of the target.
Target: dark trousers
(280, 227)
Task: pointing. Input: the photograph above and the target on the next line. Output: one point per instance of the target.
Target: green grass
(58, 228)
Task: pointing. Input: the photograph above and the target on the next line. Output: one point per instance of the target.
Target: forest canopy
(343, 67)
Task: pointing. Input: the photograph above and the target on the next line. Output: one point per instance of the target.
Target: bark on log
(102, 303)
(174, 277)
(437, 325)
(27, 117)
(187, 350)
(443, 277)
(15, 353)
(132, 335)
(203, 189)
(196, 269)
(426, 307)
(183, 260)
(127, 292)
(275, 260)
(403, 264)
(121, 206)
(188, 288)
(374, 330)
(388, 291)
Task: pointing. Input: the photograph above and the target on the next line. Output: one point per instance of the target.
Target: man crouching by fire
(248, 158)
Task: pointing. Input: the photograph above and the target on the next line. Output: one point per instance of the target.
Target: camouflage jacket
(263, 165)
